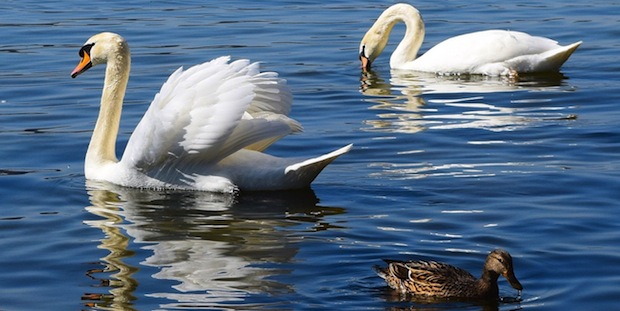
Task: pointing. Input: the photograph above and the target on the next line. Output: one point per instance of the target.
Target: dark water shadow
(216, 250)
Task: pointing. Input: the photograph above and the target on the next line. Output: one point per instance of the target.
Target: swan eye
(363, 51)
(86, 49)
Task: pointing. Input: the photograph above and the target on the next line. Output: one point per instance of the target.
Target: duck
(431, 279)
(488, 52)
(206, 129)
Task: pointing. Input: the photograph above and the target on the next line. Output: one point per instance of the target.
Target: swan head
(372, 44)
(376, 38)
(100, 49)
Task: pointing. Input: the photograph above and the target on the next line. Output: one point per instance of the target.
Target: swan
(205, 129)
(490, 52)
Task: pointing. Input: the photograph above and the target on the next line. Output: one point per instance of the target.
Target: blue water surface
(444, 168)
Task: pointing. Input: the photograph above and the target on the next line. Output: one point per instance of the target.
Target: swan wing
(259, 131)
(467, 53)
(200, 116)
(272, 94)
(271, 105)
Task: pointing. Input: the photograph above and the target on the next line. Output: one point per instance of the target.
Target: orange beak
(365, 63)
(84, 65)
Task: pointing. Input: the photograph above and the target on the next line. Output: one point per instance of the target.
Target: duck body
(205, 130)
(489, 52)
(431, 279)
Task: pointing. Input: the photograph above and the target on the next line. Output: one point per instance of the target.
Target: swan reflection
(411, 102)
(212, 249)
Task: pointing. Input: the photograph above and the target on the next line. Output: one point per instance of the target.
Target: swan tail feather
(306, 171)
(554, 59)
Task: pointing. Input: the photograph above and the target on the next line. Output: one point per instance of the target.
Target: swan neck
(407, 49)
(101, 149)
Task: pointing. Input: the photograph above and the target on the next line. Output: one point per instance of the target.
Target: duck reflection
(398, 302)
(404, 101)
(214, 249)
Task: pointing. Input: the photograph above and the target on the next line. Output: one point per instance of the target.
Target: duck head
(499, 262)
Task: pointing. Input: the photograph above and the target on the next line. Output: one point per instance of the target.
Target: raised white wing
(208, 112)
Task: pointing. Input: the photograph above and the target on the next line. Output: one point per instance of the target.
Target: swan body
(490, 52)
(205, 130)
(431, 279)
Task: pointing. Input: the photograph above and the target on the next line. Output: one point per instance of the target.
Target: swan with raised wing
(490, 52)
(205, 130)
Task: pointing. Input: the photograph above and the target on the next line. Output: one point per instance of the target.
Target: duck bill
(512, 279)
(84, 65)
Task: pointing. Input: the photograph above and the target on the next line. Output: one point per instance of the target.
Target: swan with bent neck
(490, 52)
(205, 130)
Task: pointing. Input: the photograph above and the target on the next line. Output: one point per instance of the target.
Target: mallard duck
(431, 279)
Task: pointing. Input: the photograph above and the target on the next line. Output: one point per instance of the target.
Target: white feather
(490, 52)
(205, 129)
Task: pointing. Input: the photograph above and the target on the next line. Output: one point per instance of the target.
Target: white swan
(491, 52)
(205, 130)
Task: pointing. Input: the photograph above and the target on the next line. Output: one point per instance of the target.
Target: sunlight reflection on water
(445, 168)
(414, 102)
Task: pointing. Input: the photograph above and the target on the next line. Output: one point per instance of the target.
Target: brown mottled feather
(436, 279)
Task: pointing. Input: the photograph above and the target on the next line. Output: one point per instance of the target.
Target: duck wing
(427, 278)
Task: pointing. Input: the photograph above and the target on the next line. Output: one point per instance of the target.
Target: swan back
(489, 52)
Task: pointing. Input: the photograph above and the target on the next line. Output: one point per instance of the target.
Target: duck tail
(381, 271)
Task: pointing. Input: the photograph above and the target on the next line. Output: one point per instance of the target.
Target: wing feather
(210, 111)
(272, 94)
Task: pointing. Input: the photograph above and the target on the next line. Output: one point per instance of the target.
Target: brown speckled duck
(431, 279)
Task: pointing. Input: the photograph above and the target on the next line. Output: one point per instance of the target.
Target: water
(443, 168)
